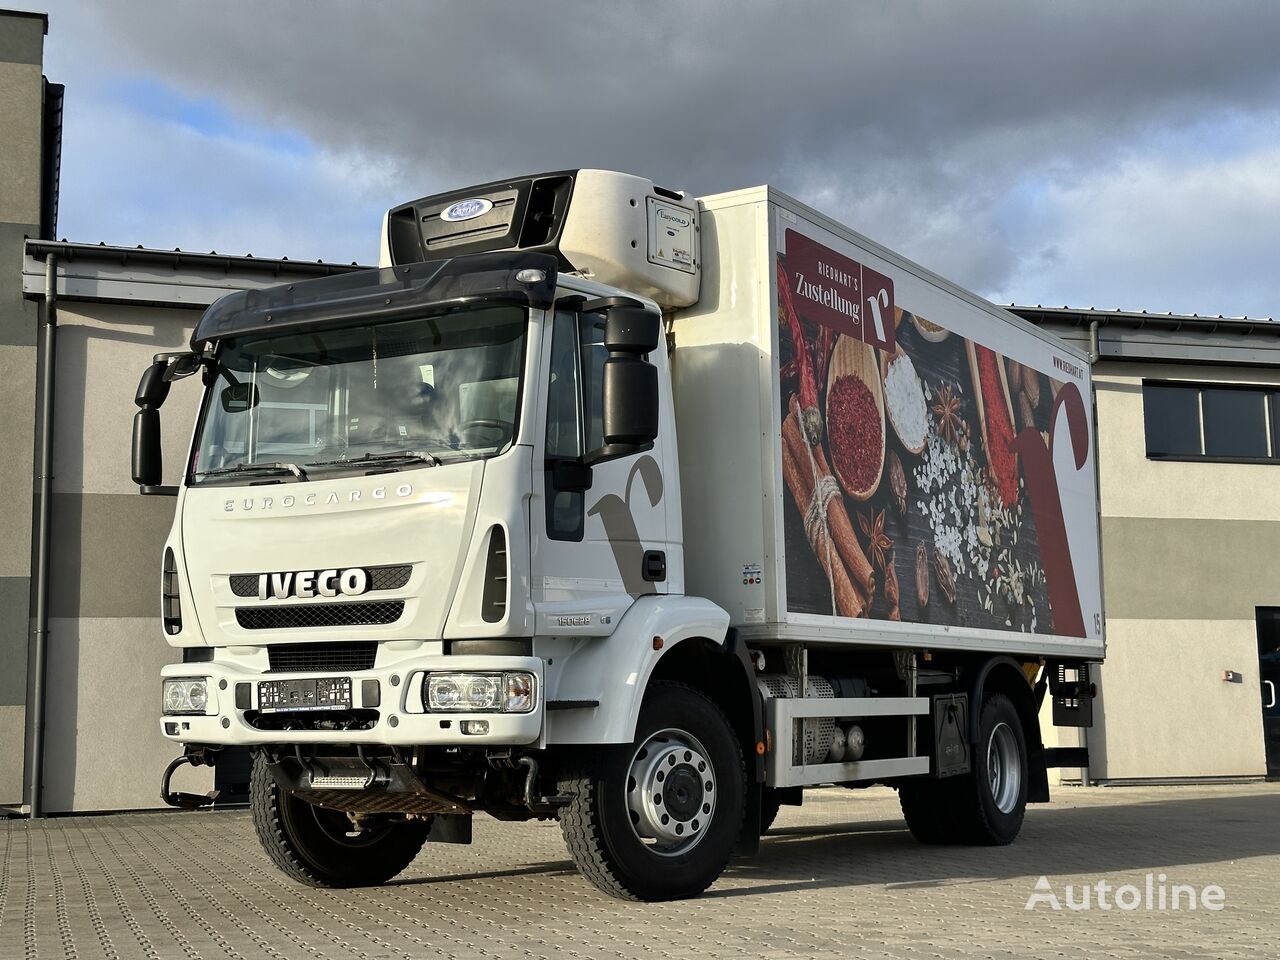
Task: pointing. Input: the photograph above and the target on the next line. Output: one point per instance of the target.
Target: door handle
(1272, 687)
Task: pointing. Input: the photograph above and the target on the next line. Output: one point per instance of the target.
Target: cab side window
(565, 427)
(594, 354)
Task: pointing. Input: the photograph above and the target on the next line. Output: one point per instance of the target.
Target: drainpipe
(1086, 775)
(48, 343)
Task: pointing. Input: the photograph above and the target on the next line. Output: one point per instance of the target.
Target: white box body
(745, 545)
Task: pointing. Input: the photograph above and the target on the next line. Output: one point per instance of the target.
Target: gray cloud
(922, 124)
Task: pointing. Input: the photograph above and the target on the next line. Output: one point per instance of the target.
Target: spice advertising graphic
(919, 462)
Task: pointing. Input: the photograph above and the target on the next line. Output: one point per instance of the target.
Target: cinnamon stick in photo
(842, 535)
(849, 602)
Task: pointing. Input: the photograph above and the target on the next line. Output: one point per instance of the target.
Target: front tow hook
(196, 756)
(540, 804)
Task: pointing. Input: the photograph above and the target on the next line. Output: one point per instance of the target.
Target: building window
(1202, 421)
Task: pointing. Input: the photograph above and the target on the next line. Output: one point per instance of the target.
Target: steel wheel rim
(337, 827)
(671, 792)
(1004, 768)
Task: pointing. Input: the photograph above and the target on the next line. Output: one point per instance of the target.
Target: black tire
(926, 806)
(317, 847)
(602, 824)
(770, 804)
(966, 809)
(980, 819)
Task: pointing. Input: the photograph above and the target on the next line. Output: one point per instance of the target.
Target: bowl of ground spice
(855, 417)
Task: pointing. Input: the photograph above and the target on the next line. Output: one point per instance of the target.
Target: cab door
(599, 533)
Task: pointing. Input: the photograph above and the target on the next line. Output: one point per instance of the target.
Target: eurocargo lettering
(599, 503)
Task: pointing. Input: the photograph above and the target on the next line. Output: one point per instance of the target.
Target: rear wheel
(658, 820)
(985, 806)
(323, 848)
(926, 807)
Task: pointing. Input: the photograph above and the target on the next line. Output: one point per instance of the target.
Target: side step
(781, 770)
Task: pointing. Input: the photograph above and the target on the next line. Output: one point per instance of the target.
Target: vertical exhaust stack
(611, 227)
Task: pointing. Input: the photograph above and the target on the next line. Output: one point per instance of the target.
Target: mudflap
(749, 839)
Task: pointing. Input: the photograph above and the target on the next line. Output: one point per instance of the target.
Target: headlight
(480, 692)
(186, 695)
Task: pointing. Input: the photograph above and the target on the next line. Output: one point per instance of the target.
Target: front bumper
(401, 718)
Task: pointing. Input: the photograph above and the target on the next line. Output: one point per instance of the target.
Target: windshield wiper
(274, 467)
(398, 456)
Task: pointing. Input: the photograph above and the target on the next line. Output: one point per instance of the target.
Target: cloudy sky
(1086, 153)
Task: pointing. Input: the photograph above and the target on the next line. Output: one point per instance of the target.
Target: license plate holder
(319, 693)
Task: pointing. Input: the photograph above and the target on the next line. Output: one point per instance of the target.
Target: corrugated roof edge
(1083, 316)
(179, 258)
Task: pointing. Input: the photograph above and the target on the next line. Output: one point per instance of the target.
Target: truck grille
(297, 616)
(322, 657)
(380, 578)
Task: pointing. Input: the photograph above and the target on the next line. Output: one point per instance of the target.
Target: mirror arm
(171, 364)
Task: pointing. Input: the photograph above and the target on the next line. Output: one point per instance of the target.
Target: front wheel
(658, 820)
(323, 848)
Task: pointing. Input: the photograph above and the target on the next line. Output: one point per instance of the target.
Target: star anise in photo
(946, 412)
(878, 542)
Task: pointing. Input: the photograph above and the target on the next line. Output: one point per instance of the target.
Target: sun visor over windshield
(524, 278)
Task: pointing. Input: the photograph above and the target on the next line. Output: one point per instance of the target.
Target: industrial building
(1187, 416)
(1187, 446)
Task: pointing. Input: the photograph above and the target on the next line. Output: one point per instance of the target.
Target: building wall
(21, 96)
(103, 748)
(1188, 553)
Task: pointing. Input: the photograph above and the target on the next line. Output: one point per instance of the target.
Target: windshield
(422, 391)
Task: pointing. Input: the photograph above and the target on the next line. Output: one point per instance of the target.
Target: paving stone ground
(840, 877)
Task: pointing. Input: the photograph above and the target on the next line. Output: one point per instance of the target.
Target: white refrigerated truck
(601, 503)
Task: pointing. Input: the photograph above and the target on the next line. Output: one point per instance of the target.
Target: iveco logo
(313, 583)
(466, 209)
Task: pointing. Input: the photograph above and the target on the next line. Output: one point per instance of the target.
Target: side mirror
(239, 397)
(153, 388)
(630, 389)
(146, 461)
(632, 330)
(629, 385)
